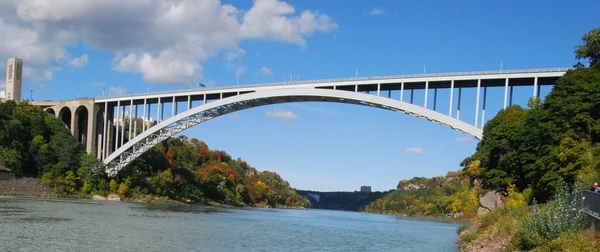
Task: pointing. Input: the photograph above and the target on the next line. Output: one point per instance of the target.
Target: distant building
(366, 189)
(4, 173)
(14, 79)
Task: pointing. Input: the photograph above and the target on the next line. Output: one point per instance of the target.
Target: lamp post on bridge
(31, 94)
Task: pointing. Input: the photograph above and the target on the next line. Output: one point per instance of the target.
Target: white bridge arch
(180, 122)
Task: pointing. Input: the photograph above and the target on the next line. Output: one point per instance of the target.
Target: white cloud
(270, 19)
(266, 71)
(414, 150)
(464, 139)
(210, 83)
(283, 114)
(376, 12)
(235, 54)
(80, 61)
(117, 90)
(321, 110)
(240, 71)
(164, 41)
(97, 84)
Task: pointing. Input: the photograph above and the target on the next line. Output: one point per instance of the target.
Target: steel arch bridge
(101, 123)
(156, 134)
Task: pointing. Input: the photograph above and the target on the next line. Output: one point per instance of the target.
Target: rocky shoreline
(25, 187)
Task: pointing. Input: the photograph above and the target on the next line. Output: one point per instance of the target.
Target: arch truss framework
(178, 123)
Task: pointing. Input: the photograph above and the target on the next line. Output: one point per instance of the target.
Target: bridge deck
(366, 84)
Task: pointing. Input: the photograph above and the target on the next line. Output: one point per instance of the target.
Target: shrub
(560, 217)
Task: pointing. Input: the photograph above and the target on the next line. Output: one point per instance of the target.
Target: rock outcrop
(113, 197)
(98, 197)
(489, 201)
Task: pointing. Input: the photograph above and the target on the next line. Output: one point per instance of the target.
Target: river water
(67, 225)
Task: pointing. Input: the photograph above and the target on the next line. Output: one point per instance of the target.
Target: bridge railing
(591, 201)
(406, 76)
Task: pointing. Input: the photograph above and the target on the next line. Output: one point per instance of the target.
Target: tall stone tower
(14, 79)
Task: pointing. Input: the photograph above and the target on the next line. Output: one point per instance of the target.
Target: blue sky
(323, 146)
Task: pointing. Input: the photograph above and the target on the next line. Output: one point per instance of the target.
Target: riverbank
(26, 187)
(34, 188)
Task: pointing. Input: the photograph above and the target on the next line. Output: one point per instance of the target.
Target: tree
(591, 49)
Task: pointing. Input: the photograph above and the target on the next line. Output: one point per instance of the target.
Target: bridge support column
(174, 107)
(458, 107)
(483, 108)
(477, 100)
(412, 95)
(535, 87)
(130, 118)
(158, 111)
(402, 91)
(144, 118)
(378, 88)
(110, 147)
(91, 138)
(117, 125)
(74, 120)
(426, 90)
(105, 118)
(434, 98)
(190, 101)
(505, 92)
(135, 119)
(511, 95)
(123, 127)
(451, 98)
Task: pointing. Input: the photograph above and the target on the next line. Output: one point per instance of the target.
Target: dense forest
(537, 157)
(345, 201)
(35, 144)
(432, 197)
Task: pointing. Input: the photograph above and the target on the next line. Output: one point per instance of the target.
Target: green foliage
(536, 147)
(438, 197)
(347, 201)
(187, 170)
(591, 49)
(562, 216)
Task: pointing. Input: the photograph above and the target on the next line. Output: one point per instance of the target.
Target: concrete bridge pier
(80, 116)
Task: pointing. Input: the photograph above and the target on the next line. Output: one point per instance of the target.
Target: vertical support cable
(451, 98)
(378, 88)
(477, 102)
(356, 88)
(412, 95)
